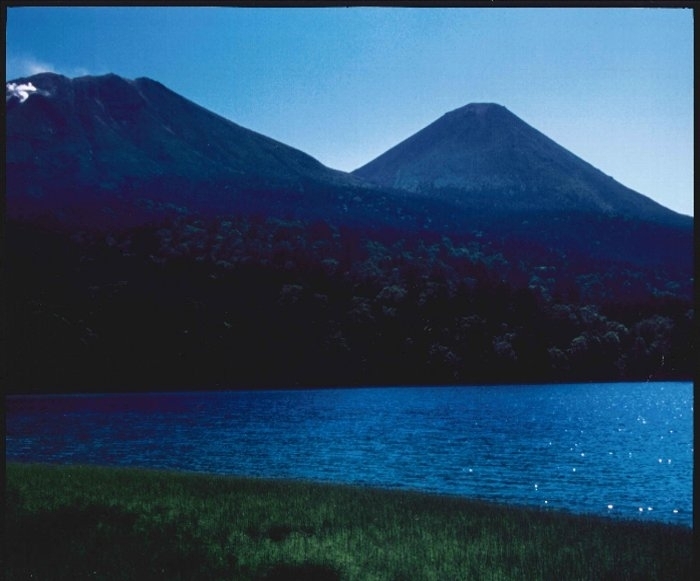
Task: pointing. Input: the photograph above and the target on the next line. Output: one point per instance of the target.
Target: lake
(622, 450)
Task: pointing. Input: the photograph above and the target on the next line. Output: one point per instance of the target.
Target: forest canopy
(249, 301)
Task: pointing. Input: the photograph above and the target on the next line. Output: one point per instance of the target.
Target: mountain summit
(484, 157)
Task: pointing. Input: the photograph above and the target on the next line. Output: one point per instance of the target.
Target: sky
(344, 84)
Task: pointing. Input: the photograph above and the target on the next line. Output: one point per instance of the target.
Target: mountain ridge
(104, 87)
(480, 154)
(106, 137)
(108, 152)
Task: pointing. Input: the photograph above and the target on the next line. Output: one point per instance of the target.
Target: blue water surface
(623, 450)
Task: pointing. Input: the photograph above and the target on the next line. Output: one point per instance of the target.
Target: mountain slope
(120, 147)
(483, 157)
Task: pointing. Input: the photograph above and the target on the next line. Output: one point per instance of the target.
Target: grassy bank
(101, 523)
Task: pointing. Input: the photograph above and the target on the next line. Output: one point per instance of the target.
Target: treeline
(393, 256)
(254, 302)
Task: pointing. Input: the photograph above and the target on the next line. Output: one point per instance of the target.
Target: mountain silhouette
(133, 147)
(111, 153)
(485, 158)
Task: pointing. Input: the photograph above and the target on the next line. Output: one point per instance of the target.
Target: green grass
(77, 522)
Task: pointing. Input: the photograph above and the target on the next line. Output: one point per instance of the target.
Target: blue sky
(614, 86)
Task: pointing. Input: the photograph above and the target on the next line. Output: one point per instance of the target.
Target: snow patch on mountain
(21, 91)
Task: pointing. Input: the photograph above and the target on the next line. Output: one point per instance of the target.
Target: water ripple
(623, 450)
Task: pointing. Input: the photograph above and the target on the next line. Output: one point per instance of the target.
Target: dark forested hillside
(253, 301)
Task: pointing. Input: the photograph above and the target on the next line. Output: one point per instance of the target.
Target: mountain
(509, 181)
(116, 151)
(108, 150)
(485, 158)
(108, 153)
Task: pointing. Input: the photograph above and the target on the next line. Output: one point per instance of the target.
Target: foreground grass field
(73, 522)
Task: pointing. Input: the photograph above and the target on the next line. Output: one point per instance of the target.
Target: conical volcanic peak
(486, 158)
(464, 148)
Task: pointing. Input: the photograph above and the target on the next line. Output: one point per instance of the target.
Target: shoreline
(349, 487)
(219, 388)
